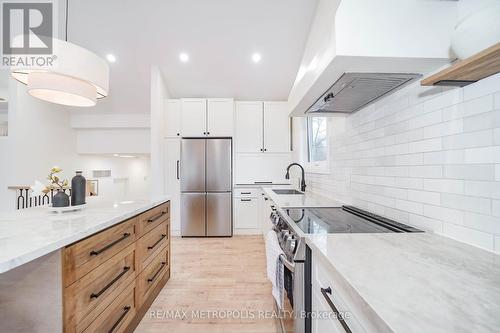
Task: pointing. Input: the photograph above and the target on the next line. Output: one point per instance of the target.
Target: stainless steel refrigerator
(206, 187)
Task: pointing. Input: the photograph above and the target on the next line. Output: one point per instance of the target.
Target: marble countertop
(307, 199)
(418, 282)
(30, 233)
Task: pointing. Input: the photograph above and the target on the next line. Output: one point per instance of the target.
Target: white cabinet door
(276, 127)
(172, 117)
(171, 158)
(194, 117)
(247, 213)
(249, 118)
(220, 117)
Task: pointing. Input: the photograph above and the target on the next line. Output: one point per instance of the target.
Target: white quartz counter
(31, 233)
(418, 282)
(307, 199)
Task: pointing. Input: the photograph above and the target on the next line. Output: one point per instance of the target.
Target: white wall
(159, 94)
(113, 141)
(426, 156)
(129, 176)
(40, 136)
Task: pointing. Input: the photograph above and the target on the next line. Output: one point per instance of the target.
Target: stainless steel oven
(293, 259)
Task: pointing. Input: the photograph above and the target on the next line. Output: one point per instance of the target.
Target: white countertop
(418, 282)
(307, 199)
(414, 282)
(31, 233)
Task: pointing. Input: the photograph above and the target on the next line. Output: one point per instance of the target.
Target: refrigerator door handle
(178, 169)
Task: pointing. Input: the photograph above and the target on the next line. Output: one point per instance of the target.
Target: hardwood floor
(213, 279)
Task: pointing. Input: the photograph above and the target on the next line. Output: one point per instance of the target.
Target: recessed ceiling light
(184, 57)
(111, 57)
(256, 57)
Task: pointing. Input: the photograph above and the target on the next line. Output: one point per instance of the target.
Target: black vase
(60, 199)
(78, 184)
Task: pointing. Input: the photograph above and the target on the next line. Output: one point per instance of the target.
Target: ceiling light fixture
(76, 77)
(184, 57)
(111, 57)
(256, 57)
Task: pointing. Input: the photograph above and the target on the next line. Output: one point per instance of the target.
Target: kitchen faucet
(302, 181)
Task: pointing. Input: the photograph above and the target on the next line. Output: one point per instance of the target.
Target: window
(317, 139)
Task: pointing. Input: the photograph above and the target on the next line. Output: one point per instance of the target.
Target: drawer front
(149, 245)
(247, 192)
(82, 257)
(147, 221)
(117, 316)
(85, 299)
(152, 274)
(247, 213)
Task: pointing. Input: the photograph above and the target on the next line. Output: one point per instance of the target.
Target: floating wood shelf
(467, 71)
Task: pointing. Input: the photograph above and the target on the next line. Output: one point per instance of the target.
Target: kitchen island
(93, 270)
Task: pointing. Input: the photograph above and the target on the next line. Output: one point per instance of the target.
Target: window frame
(320, 167)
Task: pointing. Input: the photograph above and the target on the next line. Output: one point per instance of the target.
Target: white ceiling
(219, 36)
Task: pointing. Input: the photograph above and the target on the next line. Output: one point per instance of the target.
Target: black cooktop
(346, 219)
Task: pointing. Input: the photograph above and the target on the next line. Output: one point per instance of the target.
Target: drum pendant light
(77, 77)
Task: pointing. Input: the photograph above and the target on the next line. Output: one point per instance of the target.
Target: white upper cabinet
(276, 127)
(262, 127)
(172, 118)
(249, 127)
(220, 117)
(193, 117)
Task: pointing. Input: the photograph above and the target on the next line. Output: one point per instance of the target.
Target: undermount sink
(287, 191)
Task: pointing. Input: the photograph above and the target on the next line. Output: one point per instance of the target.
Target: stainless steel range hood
(353, 91)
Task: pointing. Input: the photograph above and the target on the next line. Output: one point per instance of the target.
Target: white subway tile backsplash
(426, 119)
(483, 155)
(468, 140)
(483, 189)
(431, 198)
(445, 157)
(425, 145)
(444, 185)
(469, 108)
(444, 214)
(469, 235)
(427, 156)
(426, 223)
(489, 85)
(472, 172)
(426, 171)
(442, 129)
(472, 204)
(410, 206)
(443, 100)
(481, 222)
(482, 121)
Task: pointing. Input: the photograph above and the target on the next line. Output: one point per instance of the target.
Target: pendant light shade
(61, 89)
(75, 77)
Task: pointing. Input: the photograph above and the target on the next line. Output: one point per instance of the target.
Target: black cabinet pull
(265, 149)
(246, 199)
(157, 242)
(208, 133)
(106, 287)
(265, 198)
(204, 133)
(126, 309)
(151, 279)
(325, 293)
(246, 192)
(262, 182)
(178, 169)
(178, 134)
(97, 252)
(156, 217)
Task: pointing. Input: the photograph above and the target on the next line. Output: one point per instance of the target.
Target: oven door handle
(287, 263)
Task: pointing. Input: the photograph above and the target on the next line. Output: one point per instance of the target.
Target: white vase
(477, 31)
